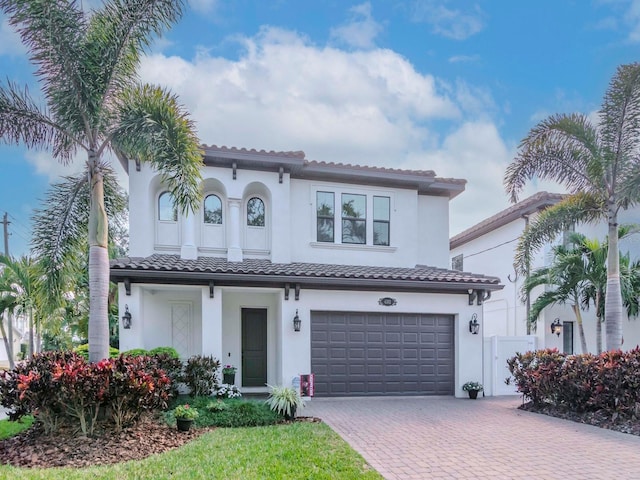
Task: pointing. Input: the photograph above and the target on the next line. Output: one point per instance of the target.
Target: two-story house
(293, 266)
(489, 247)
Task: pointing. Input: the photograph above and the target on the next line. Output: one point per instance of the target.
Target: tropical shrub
(173, 367)
(609, 382)
(63, 388)
(234, 413)
(200, 375)
(136, 352)
(170, 351)
(83, 351)
(285, 401)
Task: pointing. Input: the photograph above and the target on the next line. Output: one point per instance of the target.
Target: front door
(254, 347)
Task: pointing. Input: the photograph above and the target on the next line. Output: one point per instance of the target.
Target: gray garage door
(382, 354)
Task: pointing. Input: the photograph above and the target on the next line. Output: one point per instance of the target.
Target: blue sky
(450, 86)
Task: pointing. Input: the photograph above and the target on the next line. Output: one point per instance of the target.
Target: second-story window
(325, 215)
(255, 212)
(213, 210)
(354, 218)
(381, 220)
(457, 263)
(167, 211)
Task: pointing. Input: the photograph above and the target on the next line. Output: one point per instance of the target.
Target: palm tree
(565, 275)
(600, 167)
(8, 303)
(86, 66)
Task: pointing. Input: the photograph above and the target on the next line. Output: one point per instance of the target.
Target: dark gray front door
(382, 354)
(254, 347)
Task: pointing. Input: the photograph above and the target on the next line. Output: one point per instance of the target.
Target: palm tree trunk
(10, 351)
(7, 344)
(598, 322)
(31, 342)
(98, 266)
(613, 297)
(583, 339)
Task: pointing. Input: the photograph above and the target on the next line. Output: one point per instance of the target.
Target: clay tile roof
(529, 205)
(253, 151)
(216, 268)
(429, 173)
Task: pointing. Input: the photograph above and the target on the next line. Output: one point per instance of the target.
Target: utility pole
(5, 223)
(10, 353)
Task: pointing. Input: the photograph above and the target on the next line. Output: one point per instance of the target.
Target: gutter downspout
(528, 300)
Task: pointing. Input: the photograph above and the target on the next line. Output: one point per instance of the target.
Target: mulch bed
(599, 419)
(149, 436)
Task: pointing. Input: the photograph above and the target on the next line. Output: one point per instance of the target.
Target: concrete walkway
(443, 437)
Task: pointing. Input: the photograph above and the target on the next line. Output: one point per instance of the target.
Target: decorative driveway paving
(444, 437)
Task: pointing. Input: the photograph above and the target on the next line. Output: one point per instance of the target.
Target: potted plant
(472, 388)
(285, 401)
(185, 415)
(229, 374)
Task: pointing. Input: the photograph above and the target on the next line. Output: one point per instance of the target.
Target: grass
(8, 429)
(294, 451)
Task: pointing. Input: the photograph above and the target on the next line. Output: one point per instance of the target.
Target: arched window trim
(264, 212)
(204, 209)
(175, 208)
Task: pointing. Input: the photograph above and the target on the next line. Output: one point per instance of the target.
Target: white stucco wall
(216, 329)
(505, 314)
(419, 224)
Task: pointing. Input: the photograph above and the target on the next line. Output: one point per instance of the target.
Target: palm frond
(577, 208)
(620, 119)
(53, 32)
(156, 129)
(22, 120)
(117, 35)
(59, 236)
(561, 148)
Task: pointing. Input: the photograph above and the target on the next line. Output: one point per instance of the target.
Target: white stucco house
(489, 247)
(359, 255)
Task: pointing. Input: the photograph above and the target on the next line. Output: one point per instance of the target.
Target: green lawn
(293, 451)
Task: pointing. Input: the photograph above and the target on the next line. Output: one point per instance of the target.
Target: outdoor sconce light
(126, 318)
(556, 327)
(296, 322)
(474, 325)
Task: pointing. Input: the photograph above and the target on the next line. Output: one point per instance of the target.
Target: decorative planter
(183, 424)
(473, 394)
(229, 378)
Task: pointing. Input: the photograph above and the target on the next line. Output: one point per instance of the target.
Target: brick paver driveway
(444, 437)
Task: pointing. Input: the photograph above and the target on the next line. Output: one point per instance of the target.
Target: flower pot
(183, 424)
(229, 378)
(473, 394)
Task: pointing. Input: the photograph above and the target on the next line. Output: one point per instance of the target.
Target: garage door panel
(382, 354)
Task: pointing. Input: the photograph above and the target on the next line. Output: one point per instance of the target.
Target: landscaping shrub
(136, 352)
(61, 387)
(83, 351)
(233, 413)
(172, 352)
(201, 375)
(173, 368)
(608, 382)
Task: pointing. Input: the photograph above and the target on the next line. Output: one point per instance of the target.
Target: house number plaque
(387, 301)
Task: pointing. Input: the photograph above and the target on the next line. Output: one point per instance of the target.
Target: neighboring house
(489, 247)
(357, 256)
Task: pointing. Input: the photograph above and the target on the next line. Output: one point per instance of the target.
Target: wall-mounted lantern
(556, 327)
(126, 318)
(296, 322)
(474, 325)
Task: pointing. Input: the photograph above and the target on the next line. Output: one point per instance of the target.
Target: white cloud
(10, 43)
(361, 31)
(203, 6)
(367, 107)
(285, 93)
(451, 23)
(464, 58)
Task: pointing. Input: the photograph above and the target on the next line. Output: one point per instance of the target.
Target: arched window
(255, 212)
(213, 210)
(167, 211)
